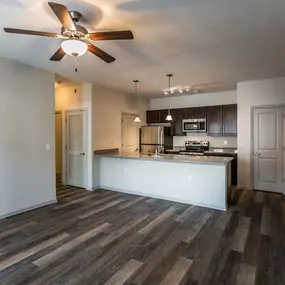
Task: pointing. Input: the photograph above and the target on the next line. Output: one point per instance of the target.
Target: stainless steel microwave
(194, 126)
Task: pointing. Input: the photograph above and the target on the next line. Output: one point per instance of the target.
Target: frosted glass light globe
(74, 47)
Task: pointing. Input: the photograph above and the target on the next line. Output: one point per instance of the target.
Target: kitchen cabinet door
(152, 116)
(230, 120)
(188, 113)
(201, 112)
(234, 164)
(176, 125)
(162, 116)
(214, 120)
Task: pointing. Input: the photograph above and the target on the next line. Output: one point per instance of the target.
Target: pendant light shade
(137, 118)
(169, 117)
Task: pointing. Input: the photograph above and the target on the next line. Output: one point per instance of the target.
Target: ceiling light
(181, 91)
(165, 93)
(172, 91)
(74, 47)
(169, 117)
(187, 90)
(137, 119)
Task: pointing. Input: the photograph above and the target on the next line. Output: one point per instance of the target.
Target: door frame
(62, 134)
(66, 144)
(252, 141)
(129, 114)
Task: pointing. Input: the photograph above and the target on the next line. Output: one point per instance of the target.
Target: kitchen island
(197, 180)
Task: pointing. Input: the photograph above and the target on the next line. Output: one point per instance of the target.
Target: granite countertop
(171, 158)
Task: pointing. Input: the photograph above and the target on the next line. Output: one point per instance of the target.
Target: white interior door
(76, 148)
(268, 149)
(129, 133)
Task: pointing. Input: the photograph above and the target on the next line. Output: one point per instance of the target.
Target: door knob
(257, 154)
(82, 153)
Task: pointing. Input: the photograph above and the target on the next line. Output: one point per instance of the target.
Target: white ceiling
(211, 43)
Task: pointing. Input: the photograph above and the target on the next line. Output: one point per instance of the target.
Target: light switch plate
(225, 142)
(48, 147)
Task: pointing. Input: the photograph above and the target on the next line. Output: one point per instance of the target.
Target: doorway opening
(130, 133)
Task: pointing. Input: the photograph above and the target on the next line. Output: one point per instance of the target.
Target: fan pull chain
(75, 64)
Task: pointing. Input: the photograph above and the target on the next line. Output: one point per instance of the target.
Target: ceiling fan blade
(63, 15)
(28, 32)
(100, 53)
(115, 35)
(58, 56)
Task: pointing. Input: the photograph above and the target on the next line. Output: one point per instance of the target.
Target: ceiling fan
(77, 40)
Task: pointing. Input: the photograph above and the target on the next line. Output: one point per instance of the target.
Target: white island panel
(191, 183)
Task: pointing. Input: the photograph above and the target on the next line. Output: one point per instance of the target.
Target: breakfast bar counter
(197, 180)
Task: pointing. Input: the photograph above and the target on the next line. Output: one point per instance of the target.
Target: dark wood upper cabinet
(195, 113)
(176, 124)
(221, 120)
(162, 116)
(215, 120)
(152, 116)
(188, 113)
(230, 119)
(200, 112)
(156, 116)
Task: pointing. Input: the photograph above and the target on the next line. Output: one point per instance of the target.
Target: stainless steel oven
(194, 126)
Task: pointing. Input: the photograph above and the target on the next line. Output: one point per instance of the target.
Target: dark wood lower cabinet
(234, 164)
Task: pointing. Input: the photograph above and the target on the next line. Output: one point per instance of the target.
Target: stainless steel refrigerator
(155, 137)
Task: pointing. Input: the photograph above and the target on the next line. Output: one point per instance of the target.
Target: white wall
(27, 170)
(196, 100)
(107, 109)
(67, 100)
(252, 94)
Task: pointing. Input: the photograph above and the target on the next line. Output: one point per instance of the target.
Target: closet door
(268, 149)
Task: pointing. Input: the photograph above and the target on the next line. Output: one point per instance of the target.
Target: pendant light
(137, 118)
(169, 117)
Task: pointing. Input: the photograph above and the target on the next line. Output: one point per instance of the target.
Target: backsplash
(214, 141)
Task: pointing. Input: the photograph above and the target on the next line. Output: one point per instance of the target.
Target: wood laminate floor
(111, 238)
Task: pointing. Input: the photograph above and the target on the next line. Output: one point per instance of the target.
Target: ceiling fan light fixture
(74, 47)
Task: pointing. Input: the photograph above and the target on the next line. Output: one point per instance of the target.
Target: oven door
(194, 126)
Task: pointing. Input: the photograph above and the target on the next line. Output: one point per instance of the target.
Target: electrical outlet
(225, 142)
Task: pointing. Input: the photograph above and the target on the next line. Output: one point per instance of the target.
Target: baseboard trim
(241, 187)
(162, 198)
(28, 209)
(96, 188)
